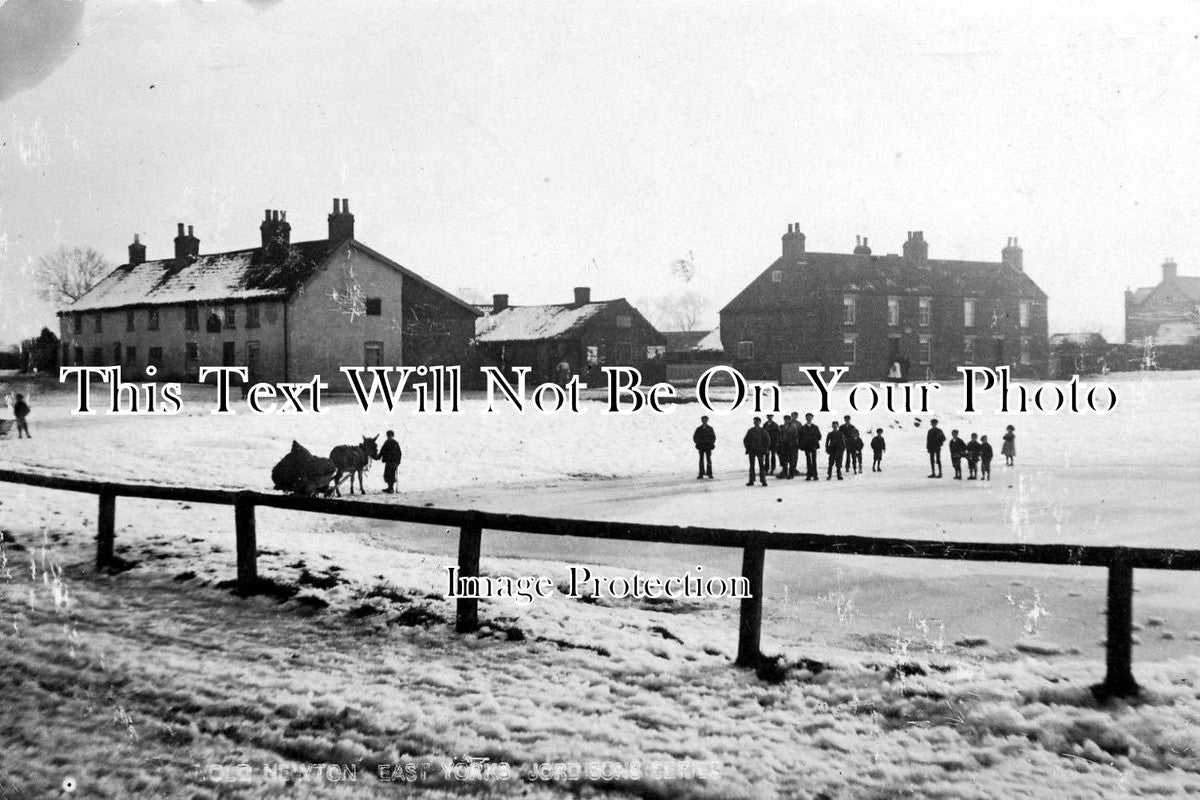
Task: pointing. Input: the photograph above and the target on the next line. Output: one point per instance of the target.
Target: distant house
(1168, 313)
(287, 310)
(583, 335)
(868, 312)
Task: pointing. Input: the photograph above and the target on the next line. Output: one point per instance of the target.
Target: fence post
(469, 540)
(1118, 644)
(750, 627)
(247, 543)
(106, 535)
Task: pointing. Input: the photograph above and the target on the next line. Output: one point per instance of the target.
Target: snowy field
(908, 678)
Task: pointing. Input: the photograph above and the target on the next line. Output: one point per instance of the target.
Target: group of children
(770, 444)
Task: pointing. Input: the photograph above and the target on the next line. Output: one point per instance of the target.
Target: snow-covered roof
(237, 275)
(711, 343)
(531, 323)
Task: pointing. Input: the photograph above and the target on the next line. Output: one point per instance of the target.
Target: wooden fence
(1119, 561)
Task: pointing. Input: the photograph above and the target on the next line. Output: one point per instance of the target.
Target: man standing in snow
(757, 443)
(390, 455)
(772, 429)
(810, 443)
(835, 446)
(933, 444)
(705, 439)
(789, 444)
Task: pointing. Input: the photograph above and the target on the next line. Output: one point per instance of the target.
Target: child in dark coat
(21, 411)
(985, 459)
(958, 449)
(878, 445)
(973, 457)
(855, 446)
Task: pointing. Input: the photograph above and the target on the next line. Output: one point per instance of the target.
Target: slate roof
(1189, 285)
(1141, 294)
(217, 277)
(872, 274)
(236, 275)
(533, 323)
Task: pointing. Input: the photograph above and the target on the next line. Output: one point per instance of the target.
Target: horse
(350, 459)
(300, 472)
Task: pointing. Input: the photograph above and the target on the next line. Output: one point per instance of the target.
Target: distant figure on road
(757, 444)
(810, 443)
(933, 443)
(849, 434)
(958, 449)
(1009, 448)
(390, 455)
(705, 439)
(835, 446)
(772, 429)
(985, 459)
(973, 458)
(21, 411)
(878, 445)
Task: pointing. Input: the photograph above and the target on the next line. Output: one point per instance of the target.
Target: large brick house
(868, 312)
(1168, 313)
(287, 310)
(584, 335)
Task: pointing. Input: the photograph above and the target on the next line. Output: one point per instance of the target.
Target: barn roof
(711, 343)
(872, 274)
(682, 341)
(531, 323)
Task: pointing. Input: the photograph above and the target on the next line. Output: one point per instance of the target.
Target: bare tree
(66, 274)
(683, 311)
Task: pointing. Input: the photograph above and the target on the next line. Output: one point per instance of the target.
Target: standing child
(958, 449)
(21, 411)
(973, 458)
(878, 445)
(1009, 448)
(856, 447)
(985, 459)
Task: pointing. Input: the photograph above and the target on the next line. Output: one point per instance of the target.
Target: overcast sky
(529, 147)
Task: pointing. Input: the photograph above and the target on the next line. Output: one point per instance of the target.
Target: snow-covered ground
(939, 678)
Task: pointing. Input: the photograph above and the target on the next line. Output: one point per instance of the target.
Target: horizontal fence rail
(1119, 561)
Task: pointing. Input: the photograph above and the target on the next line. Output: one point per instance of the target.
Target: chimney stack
(187, 247)
(1170, 269)
(583, 295)
(1012, 255)
(916, 248)
(276, 234)
(860, 246)
(793, 242)
(499, 303)
(137, 251)
(341, 222)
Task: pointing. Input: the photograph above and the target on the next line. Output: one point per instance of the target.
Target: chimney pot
(180, 229)
(341, 222)
(191, 231)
